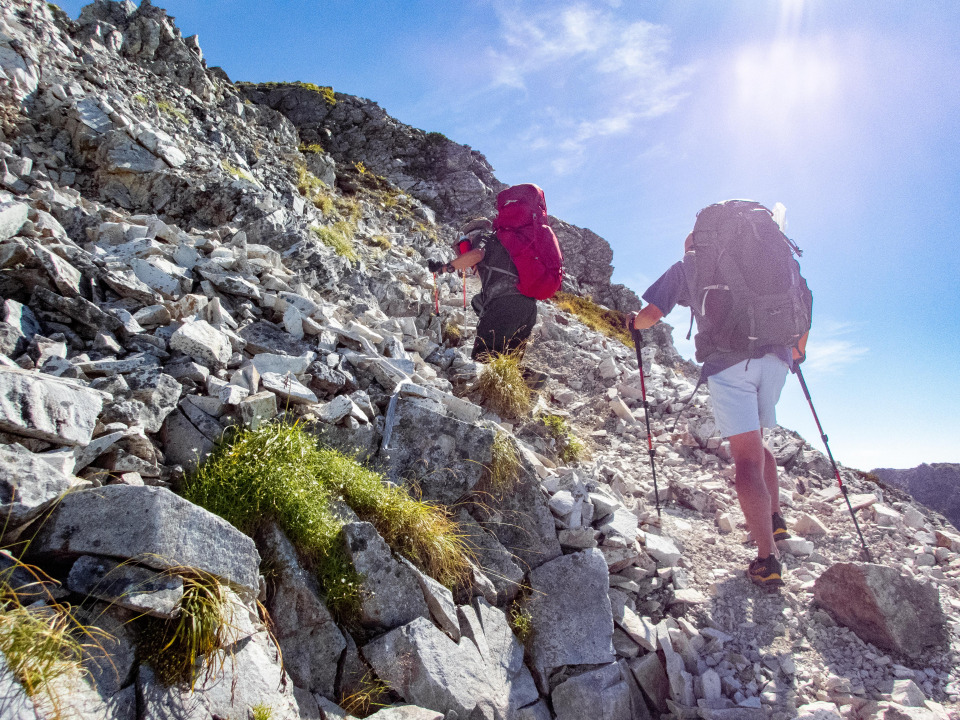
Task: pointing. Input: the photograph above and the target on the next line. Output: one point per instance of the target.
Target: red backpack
(521, 226)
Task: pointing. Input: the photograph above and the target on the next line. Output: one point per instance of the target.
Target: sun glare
(785, 87)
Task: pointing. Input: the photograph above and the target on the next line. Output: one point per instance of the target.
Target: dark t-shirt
(671, 289)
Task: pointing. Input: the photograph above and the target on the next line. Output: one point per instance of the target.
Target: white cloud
(609, 73)
(829, 348)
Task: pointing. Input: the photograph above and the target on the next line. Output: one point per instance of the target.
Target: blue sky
(633, 115)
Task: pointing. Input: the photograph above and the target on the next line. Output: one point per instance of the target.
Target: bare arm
(468, 259)
(647, 317)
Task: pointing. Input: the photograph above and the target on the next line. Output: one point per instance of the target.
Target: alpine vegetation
(245, 438)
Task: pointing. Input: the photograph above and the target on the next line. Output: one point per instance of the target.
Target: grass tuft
(502, 386)
(339, 237)
(569, 447)
(172, 647)
(236, 172)
(367, 698)
(505, 467)
(594, 316)
(277, 473)
(166, 107)
(40, 641)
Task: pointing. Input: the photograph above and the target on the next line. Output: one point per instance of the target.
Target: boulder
(445, 457)
(308, 636)
(27, 485)
(571, 611)
(427, 668)
(151, 525)
(883, 607)
(44, 407)
(391, 590)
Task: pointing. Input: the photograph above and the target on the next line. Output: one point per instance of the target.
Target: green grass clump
(502, 386)
(452, 334)
(278, 473)
(236, 172)
(338, 236)
(172, 647)
(381, 241)
(166, 107)
(505, 466)
(40, 641)
(569, 447)
(596, 317)
(315, 148)
(261, 712)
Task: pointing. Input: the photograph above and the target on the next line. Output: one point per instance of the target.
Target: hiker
(519, 261)
(745, 377)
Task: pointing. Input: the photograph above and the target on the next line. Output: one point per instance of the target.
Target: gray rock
(444, 456)
(183, 443)
(244, 676)
(392, 594)
(151, 525)
(12, 217)
(883, 607)
(427, 668)
(571, 611)
(407, 712)
(265, 337)
(600, 694)
(503, 654)
(493, 558)
(311, 642)
(203, 342)
(27, 485)
(287, 388)
(39, 406)
(130, 586)
(521, 520)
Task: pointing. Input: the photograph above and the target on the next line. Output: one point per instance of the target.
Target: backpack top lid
(520, 205)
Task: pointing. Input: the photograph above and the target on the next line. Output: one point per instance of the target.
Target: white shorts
(744, 396)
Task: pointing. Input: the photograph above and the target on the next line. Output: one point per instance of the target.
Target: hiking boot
(534, 379)
(780, 531)
(767, 573)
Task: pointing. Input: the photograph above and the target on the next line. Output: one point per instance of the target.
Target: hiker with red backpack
(518, 260)
(752, 309)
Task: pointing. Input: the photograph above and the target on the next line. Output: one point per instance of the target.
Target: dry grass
(502, 386)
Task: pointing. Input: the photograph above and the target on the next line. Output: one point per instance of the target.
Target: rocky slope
(937, 486)
(179, 254)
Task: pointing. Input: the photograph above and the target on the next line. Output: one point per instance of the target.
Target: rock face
(883, 607)
(181, 257)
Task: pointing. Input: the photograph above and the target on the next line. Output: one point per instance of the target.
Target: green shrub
(278, 473)
(381, 241)
(338, 236)
(502, 386)
(603, 320)
(311, 148)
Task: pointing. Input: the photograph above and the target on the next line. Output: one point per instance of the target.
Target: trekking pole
(436, 294)
(637, 343)
(836, 471)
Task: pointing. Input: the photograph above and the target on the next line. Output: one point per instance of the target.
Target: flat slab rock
(47, 408)
(27, 484)
(157, 527)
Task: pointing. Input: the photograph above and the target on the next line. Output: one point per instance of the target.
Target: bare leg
(770, 479)
(752, 485)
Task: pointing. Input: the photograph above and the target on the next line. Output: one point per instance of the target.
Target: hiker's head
(469, 231)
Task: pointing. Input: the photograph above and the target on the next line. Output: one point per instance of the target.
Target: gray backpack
(745, 286)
